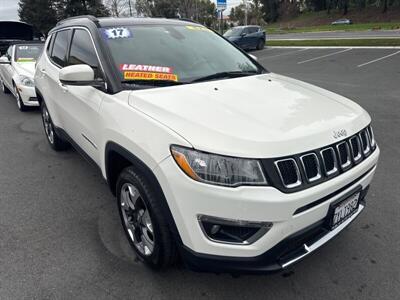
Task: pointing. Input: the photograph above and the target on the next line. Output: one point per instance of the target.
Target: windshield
(174, 53)
(27, 53)
(234, 32)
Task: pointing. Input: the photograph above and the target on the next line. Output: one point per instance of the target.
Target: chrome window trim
(70, 42)
(348, 162)
(359, 156)
(293, 185)
(335, 161)
(318, 176)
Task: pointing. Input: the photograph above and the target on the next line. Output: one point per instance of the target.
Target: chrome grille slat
(326, 154)
(365, 142)
(283, 167)
(355, 146)
(344, 157)
(309, 162)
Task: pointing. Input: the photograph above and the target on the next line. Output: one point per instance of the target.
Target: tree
(119, 8)
(71, 8)
(40, 13)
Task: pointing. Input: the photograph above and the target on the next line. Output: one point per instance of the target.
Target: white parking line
(286, 53)
(378, 59)
(323, 56)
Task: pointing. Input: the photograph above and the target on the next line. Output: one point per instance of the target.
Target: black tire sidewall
(261, 45)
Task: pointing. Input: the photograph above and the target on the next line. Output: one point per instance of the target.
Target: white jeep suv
(210, 156)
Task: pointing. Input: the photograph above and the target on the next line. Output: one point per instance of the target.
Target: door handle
(63, 87)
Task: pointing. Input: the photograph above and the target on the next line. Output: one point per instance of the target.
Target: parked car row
(210, 156)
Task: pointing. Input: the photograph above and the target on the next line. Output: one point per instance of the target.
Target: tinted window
(59, 53)
(83, 52)
(253, 29)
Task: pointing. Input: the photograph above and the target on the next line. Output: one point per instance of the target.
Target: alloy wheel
(48, 125)
(137, 220)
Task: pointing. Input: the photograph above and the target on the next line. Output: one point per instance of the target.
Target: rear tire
(143, 220)
(55, 141)
(260, 45)
(3, 87)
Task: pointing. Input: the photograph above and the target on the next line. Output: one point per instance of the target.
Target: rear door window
(59, 53)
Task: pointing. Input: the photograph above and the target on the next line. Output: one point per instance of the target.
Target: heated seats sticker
(134, 75)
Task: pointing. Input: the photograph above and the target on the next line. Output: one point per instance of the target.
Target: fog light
(232, 231)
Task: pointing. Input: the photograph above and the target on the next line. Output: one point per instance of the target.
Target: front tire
(55, 141)
(143, 220)
(260, 45)
(21, 106)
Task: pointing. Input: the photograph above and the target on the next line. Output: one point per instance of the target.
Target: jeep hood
(258, 116)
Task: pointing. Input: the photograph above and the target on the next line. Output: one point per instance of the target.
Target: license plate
(344, 210)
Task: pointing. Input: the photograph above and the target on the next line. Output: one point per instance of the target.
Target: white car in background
(17, 67)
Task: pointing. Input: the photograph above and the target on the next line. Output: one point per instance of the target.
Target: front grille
(300, 171)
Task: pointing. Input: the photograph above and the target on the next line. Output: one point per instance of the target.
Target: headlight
(217, 169)
(26, 81)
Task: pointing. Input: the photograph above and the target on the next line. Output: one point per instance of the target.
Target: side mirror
(79, 75)
(253, 57)
(4, 60)
(243, 34)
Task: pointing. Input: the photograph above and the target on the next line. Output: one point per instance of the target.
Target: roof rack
(90, 17)
(186, 20)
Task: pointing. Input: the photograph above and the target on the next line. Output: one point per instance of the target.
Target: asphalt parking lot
(60, 236)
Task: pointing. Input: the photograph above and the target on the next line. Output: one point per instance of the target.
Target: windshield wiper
(221, 75)
(152, 82)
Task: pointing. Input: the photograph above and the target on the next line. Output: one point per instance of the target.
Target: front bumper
(187, 199)
(286, 253)
(28, 95)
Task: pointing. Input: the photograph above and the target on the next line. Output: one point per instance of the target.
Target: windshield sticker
(26, 59)
(198, 28)
(117, 33)
(23, 48)
(129, 75)
(145, 68)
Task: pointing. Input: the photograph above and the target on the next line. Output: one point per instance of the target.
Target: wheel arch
(39, 96)
(116, 159)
